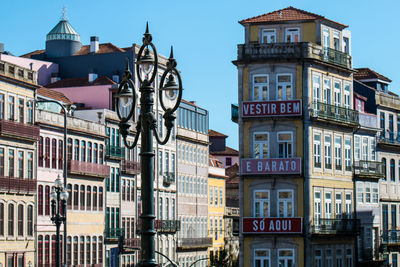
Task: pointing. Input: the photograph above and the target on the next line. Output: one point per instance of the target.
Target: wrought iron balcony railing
(164, 226)
(169, 177)
(19, 130)
(88, 169)
(369, 168)
(391, 138)
(115, 152)
(130, 167)
(191, 243)
(17, 185)
(390, 237)
(335, 226)
(296, 51)
(113, 233)
(334, 113)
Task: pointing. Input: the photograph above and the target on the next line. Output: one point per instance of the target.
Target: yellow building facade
(296, 123)
(18, 137)
(216, 206)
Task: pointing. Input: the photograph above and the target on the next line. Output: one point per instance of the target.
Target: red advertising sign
(271, 166)
(272, 225)
(271, 108)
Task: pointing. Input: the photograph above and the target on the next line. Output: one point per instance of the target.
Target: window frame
(260, 87)
(261, 203)
(286, 201)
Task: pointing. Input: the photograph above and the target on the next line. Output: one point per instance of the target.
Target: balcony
(292, 51)
(19, 130)
(168, 178)
(132, 243)
(336, 226)
(17, 185)
(163, 226)
(390, 238)
(130, 167)
(115, 152)
(195, 243)
(112, 234)
(369, 169)
(88, 169)
(391, 139)
(339, 115)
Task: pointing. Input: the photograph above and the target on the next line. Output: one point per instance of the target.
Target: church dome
(63, 31)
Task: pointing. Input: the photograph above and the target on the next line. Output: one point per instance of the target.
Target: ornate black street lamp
(58, 198)
(147, 61)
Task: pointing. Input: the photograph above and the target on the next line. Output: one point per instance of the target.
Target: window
(292, 35)
(328, 151)
(317, 150)
(11, 219)
(54, 153)
(76, 187)
(338, 205)
(327, 90)
(284, 87)
(260, 145)
(166, 162)
(328, 205)
(29, 112)
(47, 200)
(1, 106)
(357, 150)
(94, 197)
(261, 203)
(346, 95)
(20, 220)
(384, 168)
(160, 162)
(365, 148)
(372, 149)
(2, 219)
(11, 108)
(88, 197)
(285, 203)
(316, 88)
(375, 193)
(339, 257)
(20, 164)
(221, 199)
(382, 121)
(268, 36)
(11, 163)
(360, 192)
(2, 162)
(160, 210)
(21, 110)
(285, 144)
(348, 203)
(349, 257)
(47, 151)
(285, 257)
(89, 152)
(392, 171)
(40, 200)
(82, 250)
(262, 258)
(95, 153)
(215, 196)
(318, 258)
(328, 258)
(317, 208)
(338, 153)
(83, 150)
(260, 87)
(94, 250)
(347, 154)
(82, 193)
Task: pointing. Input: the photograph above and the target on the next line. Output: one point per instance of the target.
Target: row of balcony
(390, 237)
(163, 226)
(292, 51)
(335, 226)
(183, 243)
(17, 185)
(19, 130)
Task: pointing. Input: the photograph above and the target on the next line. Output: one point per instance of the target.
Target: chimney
(94, 44)
(54, 77)
(92, 76)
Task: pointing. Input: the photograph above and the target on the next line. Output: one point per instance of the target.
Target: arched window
(47, 200)
(100, 201)
(384, 168)
(76, 187)
(40, 250)
(20, 220)
(29, 224)
(40, 200)
(88, 197)
(392, 171)
(94, 197)
(94, 250)
(54, 153)
(47, 156)
(82, 197)
(69, 200)
(40, 152)
(60, 154)
(88, 250)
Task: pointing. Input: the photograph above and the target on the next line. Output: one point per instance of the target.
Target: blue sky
(204, 34)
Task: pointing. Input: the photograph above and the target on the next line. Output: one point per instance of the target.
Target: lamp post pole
(64, 166)
(126, 102)
(58, 196)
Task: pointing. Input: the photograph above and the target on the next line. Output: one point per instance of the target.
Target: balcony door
(268, 36)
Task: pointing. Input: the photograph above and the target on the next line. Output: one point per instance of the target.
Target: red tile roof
(216, 134)
(227, 151)
(366, 74)
(43, 91)
(287, 14)
(103, 48)
(77, 82)
(214, 162)
(36, 52)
